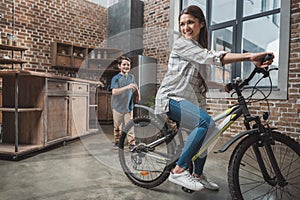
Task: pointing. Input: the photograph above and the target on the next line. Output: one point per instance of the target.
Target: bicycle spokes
(265, 170)
(146, 164)
(272, 162)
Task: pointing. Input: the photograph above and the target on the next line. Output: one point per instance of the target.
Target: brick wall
(38, 23)
(285, 114)
(156, 27)
(290, 119)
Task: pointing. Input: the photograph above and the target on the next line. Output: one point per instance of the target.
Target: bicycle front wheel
(144, 165)
(245, 178)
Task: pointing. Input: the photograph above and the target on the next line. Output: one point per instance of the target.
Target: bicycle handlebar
(265, 71)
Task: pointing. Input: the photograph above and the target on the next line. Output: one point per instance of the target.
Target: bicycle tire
(142, 169)
(245, 178)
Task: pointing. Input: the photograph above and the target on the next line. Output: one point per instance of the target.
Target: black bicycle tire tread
(232, 167)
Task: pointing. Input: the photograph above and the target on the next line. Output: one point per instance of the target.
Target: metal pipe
(16, 113)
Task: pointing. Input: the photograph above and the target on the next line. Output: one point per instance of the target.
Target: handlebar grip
(267, 57)
(228, 87)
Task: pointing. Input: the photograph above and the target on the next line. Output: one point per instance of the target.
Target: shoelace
(203, 177)
(190, 177)
(204, 180)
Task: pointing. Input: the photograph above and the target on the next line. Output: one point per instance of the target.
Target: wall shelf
(67, 55)
(20, 109)
(13, 48)
(73, 57)
(11, 60)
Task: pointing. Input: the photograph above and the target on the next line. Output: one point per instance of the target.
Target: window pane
(223, 11)
(268, 40)
(257, 6)
(200, 3)
(221, 41)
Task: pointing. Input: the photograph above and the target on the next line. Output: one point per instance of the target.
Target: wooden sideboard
(41, 109)
(105, 115)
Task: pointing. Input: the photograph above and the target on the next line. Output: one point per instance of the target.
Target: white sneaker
(208, 184)
(185, 179)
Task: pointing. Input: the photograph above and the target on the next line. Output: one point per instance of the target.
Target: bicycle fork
(278, 179)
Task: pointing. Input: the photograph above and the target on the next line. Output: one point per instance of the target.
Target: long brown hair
(196, 12)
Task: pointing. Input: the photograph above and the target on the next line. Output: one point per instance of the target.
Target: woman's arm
(215, 85)
(255, 58)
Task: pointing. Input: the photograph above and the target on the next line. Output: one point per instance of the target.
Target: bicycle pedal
(187, 190)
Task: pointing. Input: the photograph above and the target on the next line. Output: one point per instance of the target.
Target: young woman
(182, 92)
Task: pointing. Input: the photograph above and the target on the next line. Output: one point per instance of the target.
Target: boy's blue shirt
(123, 102)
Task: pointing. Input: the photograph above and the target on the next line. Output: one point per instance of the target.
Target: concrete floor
(88, 168)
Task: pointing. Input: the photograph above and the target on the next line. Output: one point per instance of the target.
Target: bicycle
(265, 164)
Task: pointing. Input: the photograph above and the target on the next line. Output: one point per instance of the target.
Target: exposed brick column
(156, 38)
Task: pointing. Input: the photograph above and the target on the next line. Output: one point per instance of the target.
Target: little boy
(123, 87)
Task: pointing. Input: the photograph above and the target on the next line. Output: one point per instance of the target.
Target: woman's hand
(257, 59)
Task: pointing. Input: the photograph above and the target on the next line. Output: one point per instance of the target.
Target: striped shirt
(185, 77)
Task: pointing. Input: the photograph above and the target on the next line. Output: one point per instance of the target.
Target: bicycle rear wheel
(245, 178)
(144, 166)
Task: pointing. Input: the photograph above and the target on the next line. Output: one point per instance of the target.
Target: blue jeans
(192, 117)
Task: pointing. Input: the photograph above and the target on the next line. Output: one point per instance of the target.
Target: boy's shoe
(116, 145)
(208, 184)
(186, 180)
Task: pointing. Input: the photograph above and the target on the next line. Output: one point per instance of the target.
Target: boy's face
(124, 66)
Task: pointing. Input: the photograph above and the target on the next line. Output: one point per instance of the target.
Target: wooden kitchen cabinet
(42, 109)
(104, 107)
(79, 109)
(57, 109)
(93, 106)
(57, 105)
(67, 110)
(27, 116)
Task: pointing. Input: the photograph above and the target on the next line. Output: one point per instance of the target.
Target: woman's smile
(190, 26)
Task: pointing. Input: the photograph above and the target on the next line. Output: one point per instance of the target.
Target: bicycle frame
(229, 116)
